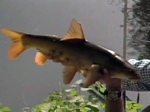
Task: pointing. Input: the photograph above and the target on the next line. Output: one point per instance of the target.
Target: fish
(75, 52)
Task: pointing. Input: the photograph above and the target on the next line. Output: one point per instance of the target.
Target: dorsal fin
(75, 32)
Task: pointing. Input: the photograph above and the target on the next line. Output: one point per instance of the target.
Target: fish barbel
(76, 51)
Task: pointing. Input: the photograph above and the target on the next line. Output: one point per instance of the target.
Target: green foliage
(71, 100)
(4, 109)
(133, 106)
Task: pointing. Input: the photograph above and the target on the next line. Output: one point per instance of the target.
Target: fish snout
(127, 76)
(135, 78)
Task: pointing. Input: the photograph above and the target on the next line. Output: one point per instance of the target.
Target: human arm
(143, 67)
(113, 85)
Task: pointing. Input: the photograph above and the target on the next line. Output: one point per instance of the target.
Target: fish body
(75, 52)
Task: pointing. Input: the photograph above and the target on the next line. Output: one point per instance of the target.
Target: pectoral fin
(75, 32)
(68, 74)
(92, 76)
(40, 59)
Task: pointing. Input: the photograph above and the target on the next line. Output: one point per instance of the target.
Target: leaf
(68, 90)
(73, 86)
(85, 109)
(133, 110)
(78, 82)
(77, 98)
(5, 109)
(102, 89)
(137, 106)
(85, 89)
(92, 108)
(74, 93)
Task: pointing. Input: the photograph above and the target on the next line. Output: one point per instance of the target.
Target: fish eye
(130, 70)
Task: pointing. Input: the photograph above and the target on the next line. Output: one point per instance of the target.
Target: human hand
(112, 84)
(104, 78)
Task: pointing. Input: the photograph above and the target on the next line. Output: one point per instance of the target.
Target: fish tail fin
(17, 47)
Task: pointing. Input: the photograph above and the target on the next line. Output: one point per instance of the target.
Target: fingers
(105, 72)
(105, 77)
(83, 72)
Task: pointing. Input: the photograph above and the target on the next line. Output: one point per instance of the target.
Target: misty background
(22, 82)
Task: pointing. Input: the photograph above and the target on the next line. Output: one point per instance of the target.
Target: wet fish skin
(75, 51)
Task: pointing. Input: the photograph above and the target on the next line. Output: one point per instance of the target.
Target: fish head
(126, 72)
(127, 75)
(122, 69)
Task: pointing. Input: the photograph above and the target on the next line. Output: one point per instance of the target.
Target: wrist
(113, 95)
(114, 85)
(114, 88)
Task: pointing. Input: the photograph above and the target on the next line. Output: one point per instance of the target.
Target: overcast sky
(22, 82)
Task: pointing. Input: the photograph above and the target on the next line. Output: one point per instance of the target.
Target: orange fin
(68, 74)
(75, 32)
(40, 59)
(17, 47)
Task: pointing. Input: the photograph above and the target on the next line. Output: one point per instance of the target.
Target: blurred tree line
(139, 28)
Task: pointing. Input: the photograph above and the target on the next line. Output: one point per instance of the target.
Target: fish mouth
(135, 78)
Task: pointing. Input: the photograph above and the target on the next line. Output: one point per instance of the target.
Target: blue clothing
(143, 66)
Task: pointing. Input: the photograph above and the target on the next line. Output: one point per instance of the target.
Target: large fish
(75, 51)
